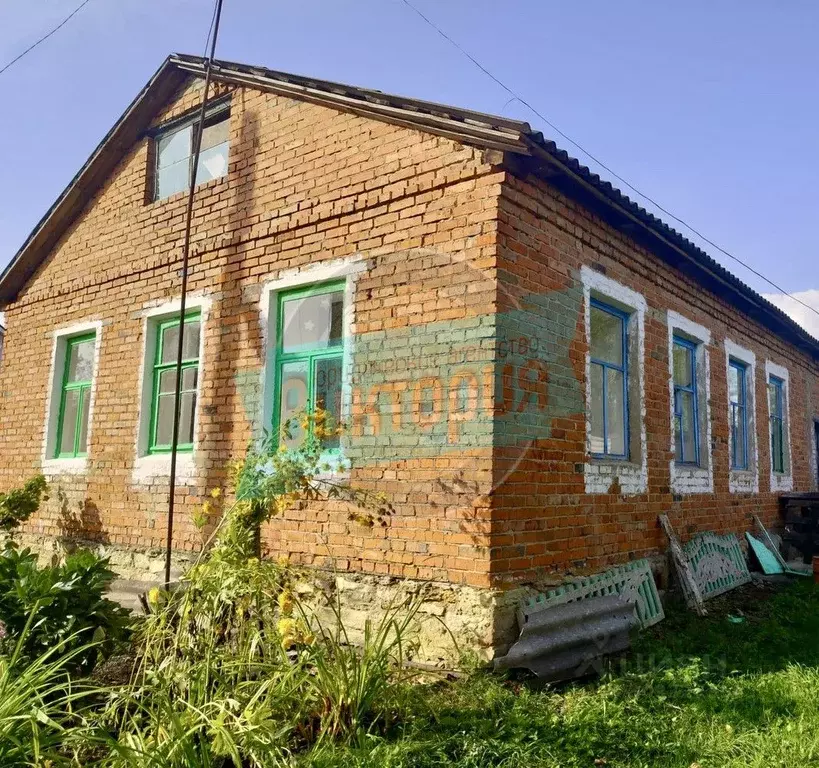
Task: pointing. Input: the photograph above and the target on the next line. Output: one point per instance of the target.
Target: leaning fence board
(690, 588)
(633, 582)
(767, 561)
(718, 563)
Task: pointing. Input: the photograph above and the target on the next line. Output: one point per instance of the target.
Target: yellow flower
(154, 595)
(216, 493)
(285, 601)
(283, 561)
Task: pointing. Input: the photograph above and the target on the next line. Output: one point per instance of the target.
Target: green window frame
(81, 389)
(159, 397)
(318, 363)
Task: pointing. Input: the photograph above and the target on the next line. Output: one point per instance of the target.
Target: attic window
(174, 154)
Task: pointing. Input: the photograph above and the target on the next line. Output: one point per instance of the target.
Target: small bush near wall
(62, 605)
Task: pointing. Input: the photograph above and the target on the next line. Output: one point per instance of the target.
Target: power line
(46, 36)
(516, 97)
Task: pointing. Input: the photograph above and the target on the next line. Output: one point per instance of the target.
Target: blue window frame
(609, 381)
(737, 397)
(776, 409)
(686, 408)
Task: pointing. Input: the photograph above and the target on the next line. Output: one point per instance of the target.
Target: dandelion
(216, 493)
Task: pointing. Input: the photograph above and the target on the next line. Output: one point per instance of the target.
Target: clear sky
(709, 107)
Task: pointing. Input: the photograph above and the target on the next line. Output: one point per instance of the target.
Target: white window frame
(686, 478)
(632, 473)
(50, 465)
(781, 482)
(744, 480)
(349, 270)
(150, 466)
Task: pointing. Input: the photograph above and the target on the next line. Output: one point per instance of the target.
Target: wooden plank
(691, 590)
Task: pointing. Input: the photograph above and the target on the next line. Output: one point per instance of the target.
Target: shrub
(67, 604)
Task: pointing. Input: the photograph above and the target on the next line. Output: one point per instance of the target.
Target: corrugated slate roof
(468, 126)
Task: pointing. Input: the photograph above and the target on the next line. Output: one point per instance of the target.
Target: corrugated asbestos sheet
(569, 641)
(634, 582)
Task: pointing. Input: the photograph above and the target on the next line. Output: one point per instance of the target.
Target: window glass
(686, 416)
(615, 413)
(80, 361)
(173, 147)
(313, 322)
(683, 365)
(609, 379)
(294, 389)
(71, 408)
(598, 444)
(686, 426)
(174, 151)
(776, 410)
(606, 336)
(327, 375)
(737, 394)
(190, 342)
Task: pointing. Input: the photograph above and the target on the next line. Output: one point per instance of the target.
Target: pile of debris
(566, 632)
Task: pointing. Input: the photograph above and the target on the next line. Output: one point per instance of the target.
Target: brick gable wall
(306, 185)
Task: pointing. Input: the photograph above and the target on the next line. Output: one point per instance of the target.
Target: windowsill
(743, 481)
(602, 461)
(781, 482)
(691, 478)
(158, 466)
(57, 467)
(601, 474)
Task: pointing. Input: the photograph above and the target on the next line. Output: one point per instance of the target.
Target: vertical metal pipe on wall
(197, 146)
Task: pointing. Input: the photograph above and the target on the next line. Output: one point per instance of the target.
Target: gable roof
(538, 155)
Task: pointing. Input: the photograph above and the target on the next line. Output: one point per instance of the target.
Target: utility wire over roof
(540, 156)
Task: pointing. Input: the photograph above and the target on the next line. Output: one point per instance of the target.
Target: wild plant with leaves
(232, 669)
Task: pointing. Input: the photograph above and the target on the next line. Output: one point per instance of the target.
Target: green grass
(693, 691)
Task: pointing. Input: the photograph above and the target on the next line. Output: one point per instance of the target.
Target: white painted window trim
(686, 478)
(348, 269)
(744, 480)
(599, 474)
(780, 481)
(51, 466)
(149, 467)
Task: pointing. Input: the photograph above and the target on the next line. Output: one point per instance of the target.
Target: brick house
(529, 364)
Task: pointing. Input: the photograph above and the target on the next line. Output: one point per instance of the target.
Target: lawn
(693, 691)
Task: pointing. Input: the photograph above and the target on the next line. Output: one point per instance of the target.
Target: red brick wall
(306, 184)
(543, 519)
(434, 221)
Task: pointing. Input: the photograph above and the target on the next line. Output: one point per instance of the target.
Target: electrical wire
(46, 36)
(682, 222)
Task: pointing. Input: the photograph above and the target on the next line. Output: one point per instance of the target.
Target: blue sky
(709, 107)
